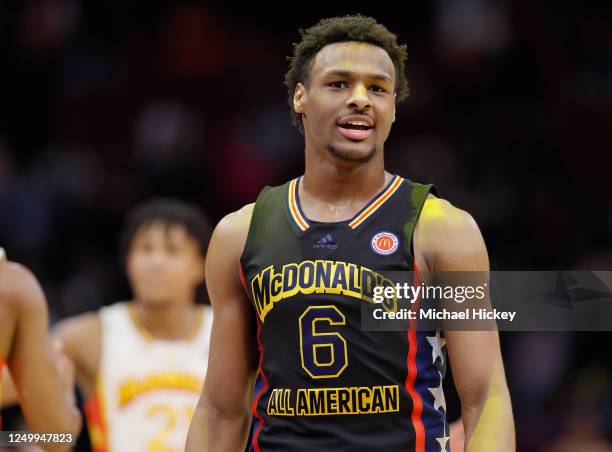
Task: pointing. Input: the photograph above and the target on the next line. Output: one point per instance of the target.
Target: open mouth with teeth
(355, 126)
(355, 130)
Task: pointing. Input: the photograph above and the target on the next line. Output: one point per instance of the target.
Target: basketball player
(140, 364)
(321, 382)
(42, 377)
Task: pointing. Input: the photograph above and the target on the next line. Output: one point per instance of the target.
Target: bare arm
(9, 396)
(80, 336)
(451, 241)
(223, 416)
(43, 377)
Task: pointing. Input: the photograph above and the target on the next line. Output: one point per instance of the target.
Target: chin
(154, 300)
(359, 152)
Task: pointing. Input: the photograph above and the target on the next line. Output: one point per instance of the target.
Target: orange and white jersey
(147, 388)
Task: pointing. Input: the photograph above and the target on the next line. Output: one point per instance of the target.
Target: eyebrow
(341, 73)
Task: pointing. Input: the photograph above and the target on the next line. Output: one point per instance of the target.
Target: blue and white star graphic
(437, 343)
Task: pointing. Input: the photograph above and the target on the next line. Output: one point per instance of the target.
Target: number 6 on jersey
(312, 341)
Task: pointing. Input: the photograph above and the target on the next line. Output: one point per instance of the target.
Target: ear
(394, 96)
(299, 98)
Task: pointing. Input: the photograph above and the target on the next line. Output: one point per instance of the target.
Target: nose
(157, 259)
(359, 98)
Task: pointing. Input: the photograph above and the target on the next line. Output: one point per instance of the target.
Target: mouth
(356, 128)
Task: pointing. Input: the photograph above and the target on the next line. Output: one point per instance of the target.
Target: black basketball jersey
(324, 384)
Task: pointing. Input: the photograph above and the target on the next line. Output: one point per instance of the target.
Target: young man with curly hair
(288, 352)
(140, 364)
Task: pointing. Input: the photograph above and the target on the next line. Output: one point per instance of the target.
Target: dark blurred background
(105, 104)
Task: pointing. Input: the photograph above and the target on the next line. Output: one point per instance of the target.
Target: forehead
(353, 56)
(161, 229)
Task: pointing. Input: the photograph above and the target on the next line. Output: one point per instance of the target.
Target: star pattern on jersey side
(442, 441)
(438, 393)
(437, 343)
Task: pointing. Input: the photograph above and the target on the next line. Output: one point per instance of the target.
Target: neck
(172, 321)
(335, 190)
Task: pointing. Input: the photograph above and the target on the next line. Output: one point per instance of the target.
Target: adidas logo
(326, 243)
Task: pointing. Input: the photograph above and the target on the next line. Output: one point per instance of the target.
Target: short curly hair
(168, 212)
(341, 29)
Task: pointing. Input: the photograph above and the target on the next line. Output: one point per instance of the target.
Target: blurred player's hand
(9, 396)
(65, 369)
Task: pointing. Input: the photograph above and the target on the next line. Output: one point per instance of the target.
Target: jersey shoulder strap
(269, 209)
(418, 195)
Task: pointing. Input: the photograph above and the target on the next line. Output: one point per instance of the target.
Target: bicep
(233, 352)
(32, 363)
(9, 394)
(457, 244)
(32, 346)
(80, 339)
(461, 258)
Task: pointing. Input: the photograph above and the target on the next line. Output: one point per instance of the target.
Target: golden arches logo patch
(384, 243)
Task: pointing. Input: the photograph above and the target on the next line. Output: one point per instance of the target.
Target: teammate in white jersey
(140, 364)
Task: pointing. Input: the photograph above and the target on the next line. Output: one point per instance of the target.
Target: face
(348, 103)
(164, 264)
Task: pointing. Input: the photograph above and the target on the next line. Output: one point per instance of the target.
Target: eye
(144, 247)
(338, 84)
(173, 248)
(378, 89)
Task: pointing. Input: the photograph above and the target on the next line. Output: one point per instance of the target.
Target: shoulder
(78, 329)
(449, 238)
(226, 246)
(233, 228)
(237, 220)
(223, 277)
(442, 216)
(81, 338)
(20, 289)
(441, 211)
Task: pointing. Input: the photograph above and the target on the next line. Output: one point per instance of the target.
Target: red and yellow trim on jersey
(138, 326)
(150, 337)
(369, 210)
(376, 203)
(96, 419)
(294, 208)
(411, 377)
